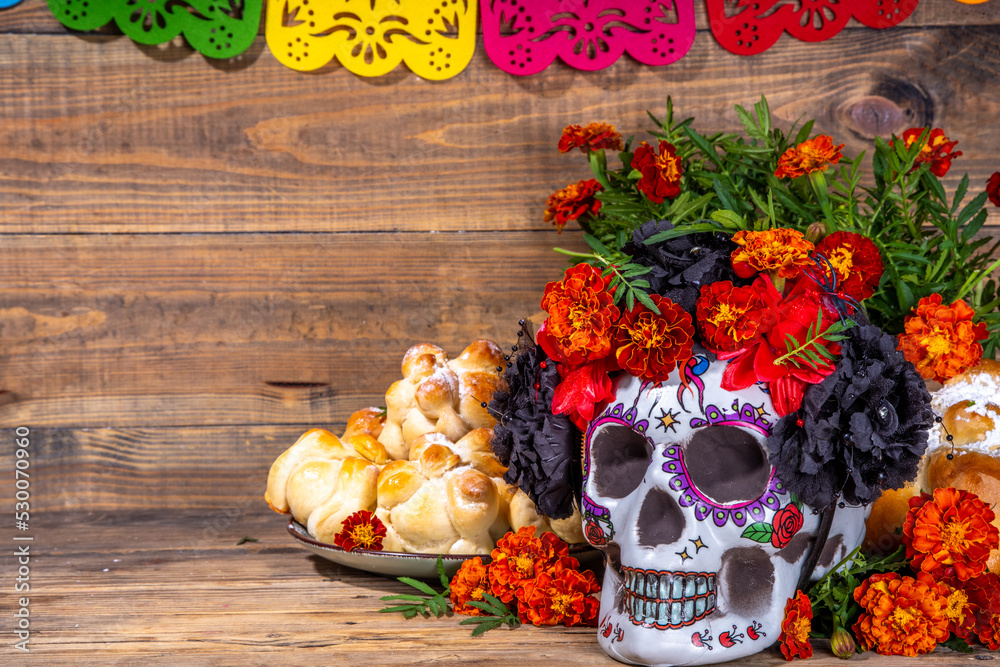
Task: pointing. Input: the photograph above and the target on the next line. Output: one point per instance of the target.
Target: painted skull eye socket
(727, 465)
(619, 459)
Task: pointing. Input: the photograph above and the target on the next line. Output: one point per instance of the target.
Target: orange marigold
(573, 201)
(951, 528)
(661, 172)
(856, 261)
(362, 530)
(650, 346)
(796, 627)
(591, 137)
(582, 316)
(942, 341)
(960, 608)
(984, 600)
(901, 615)
(730, 317)
(811, 155)
(560, 595)
(468, 585)
(780, 252)
(936, 151)
(520, 557)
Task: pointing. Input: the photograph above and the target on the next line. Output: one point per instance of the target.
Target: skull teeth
(664, 599)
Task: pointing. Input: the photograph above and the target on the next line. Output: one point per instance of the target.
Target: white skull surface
(704, 545)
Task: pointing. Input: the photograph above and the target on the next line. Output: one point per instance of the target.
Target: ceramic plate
(393, 564)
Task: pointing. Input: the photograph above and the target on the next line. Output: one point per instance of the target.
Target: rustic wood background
(200, 260)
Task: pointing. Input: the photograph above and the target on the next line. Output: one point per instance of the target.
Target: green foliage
(832, 596)
(928, 241)
(497, 615)
(431, 602)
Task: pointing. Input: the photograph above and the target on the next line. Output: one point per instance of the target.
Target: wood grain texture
(242, 329)
(175, 588)
(164, 141)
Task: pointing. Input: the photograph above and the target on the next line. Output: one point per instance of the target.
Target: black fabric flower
(541, 450)
(862, 430)
(680, 266)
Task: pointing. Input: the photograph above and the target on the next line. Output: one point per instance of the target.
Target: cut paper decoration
(436, 39)
(4, 4)
(749, 27)
(215, 28)
(525, 36)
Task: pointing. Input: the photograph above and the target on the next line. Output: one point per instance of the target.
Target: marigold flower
(780, 252)
(661, 172)
(941, 341)
(591, 137)
(936, 150)
(573, 201)
(811, 155)
(362, 530)
(856, 261)
(960, 609)
(993, 188)
(842, 644)
(560, 595)
(582, 317)
(951, 528)
(468, 585)
(984, 603)
(795, 628)
(730, 318)
(650, 346)
(520, 557)
(900, 615)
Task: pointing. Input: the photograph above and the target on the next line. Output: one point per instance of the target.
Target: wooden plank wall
(199, 260)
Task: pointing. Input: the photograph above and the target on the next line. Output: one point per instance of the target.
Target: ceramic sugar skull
(704, 544)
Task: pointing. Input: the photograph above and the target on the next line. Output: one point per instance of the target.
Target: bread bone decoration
(424, 466)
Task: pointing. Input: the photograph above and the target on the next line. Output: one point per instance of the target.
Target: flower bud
(815, 232)
(842, 644)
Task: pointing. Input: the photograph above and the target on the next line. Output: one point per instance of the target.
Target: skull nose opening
(620, 457)
(727, 464)
(660, 521)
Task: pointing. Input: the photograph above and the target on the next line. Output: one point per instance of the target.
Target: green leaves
(759, 532)
(497, 615)
(812, 352)
(431, 602)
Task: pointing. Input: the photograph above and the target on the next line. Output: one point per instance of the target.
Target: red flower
(779, 252)
(993, 188)
(951, 528)
(572, 202)
(468, 585)
(582, 389)
(768, 359)
(520, 557)
(650, 346)
(661, 172)
(362, 530)
(560, 595)
(984, 602)
(582, 317)
(960, 610)
(591, 137)
(941, 341)
(855, 260)
(786, 522)
(936, 149)
(901, 615)
(815, 154)
(795, 628)
(730, 317)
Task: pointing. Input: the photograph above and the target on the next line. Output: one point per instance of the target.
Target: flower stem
(818, 182)
(599, 165)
